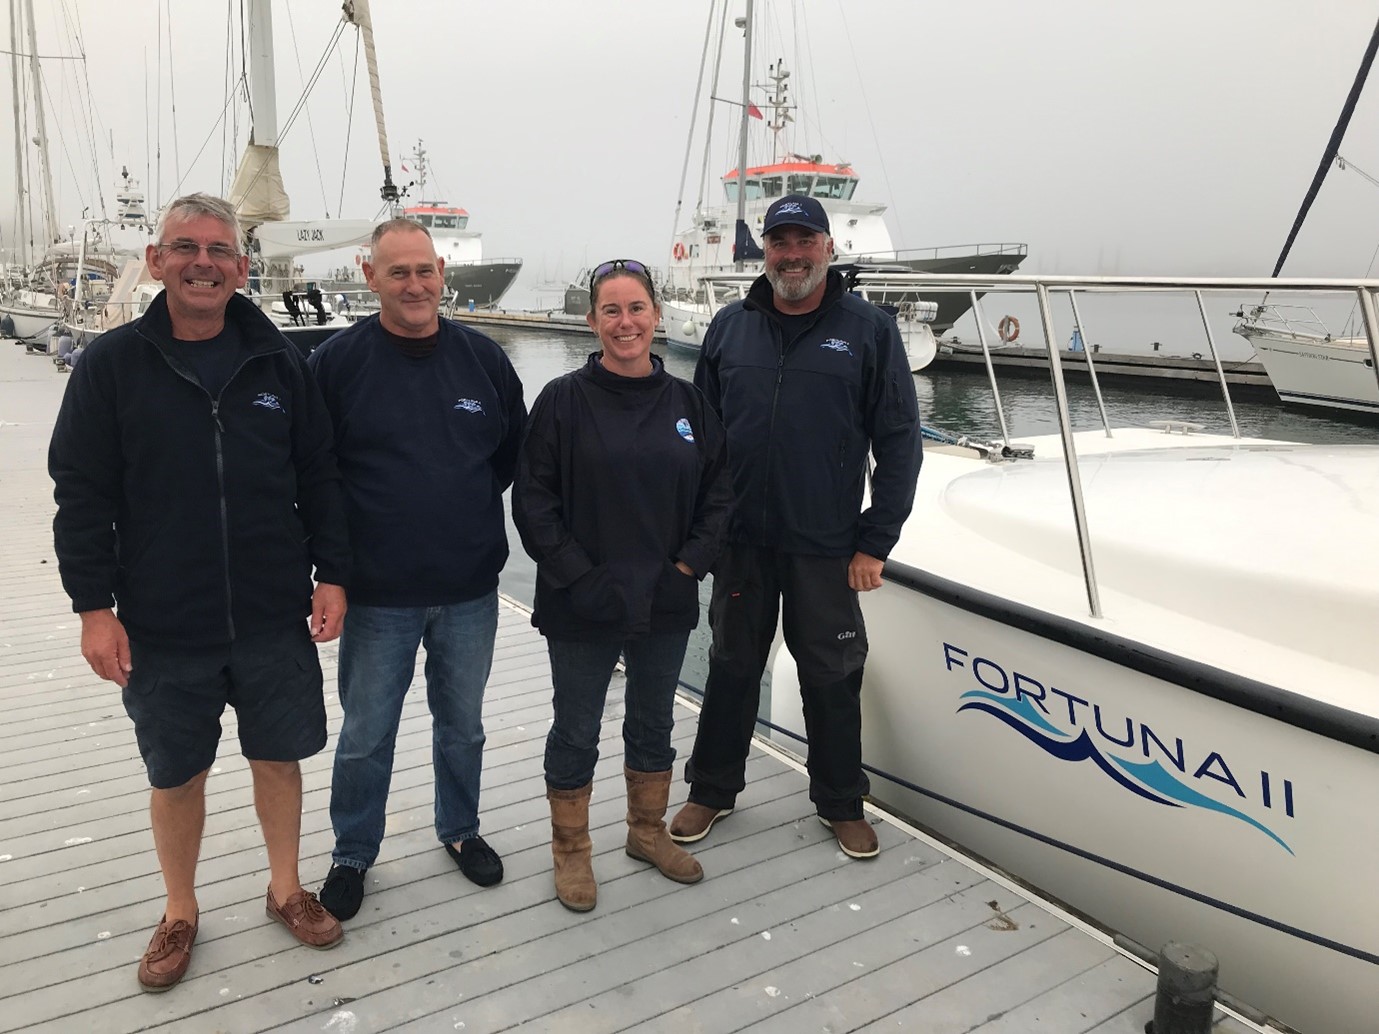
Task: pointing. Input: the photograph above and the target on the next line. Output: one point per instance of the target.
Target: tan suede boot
(647, 839)
(571, 847)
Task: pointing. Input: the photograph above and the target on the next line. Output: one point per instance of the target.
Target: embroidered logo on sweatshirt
(833, 344)
(470, 406)
(268, 401)
(683, 427)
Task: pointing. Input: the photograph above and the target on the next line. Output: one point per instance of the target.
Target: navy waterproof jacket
(200, 518)
(801, 416)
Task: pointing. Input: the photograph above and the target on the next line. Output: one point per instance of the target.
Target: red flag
(754, 111)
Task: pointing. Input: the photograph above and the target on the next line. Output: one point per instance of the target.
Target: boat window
(444, 222)
(425, 220)
(731, 189)
(801, 184)
(849, 185)
(753, 189)
(770, 186)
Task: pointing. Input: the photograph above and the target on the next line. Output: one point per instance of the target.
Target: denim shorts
(176, 697)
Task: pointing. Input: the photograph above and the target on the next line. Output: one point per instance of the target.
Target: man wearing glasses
(809, 381)
(196, 491)
(428, 418)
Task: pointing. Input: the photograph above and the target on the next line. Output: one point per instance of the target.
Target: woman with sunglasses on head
(623, 499)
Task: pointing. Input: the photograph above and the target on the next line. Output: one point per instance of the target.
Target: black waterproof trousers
(825, 635)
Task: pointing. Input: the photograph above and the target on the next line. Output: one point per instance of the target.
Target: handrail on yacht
(1042, 287)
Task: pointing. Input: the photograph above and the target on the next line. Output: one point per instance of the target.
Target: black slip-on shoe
(479, 862)
(343, 891)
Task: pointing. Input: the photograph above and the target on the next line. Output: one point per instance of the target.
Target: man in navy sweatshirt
(428, 419)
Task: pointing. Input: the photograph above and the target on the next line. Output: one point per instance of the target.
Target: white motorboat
(1139, 672)
(1306, 364)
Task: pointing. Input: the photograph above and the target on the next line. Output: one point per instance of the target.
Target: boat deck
(785, 933)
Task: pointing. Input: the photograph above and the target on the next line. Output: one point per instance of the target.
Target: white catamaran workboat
(1146, 681)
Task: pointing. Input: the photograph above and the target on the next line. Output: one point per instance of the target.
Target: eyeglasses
(190, 250)
(609, 268)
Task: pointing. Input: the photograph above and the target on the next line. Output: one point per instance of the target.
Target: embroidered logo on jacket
(683, 427)
(833, 344)
(268, 401)
(470, 406)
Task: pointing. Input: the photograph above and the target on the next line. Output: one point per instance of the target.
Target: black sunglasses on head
(609, 268)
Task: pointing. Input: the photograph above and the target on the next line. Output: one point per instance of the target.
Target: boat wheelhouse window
(837, 188)
(444, 222)
(425, 220)
(802, 184)
(771, 186)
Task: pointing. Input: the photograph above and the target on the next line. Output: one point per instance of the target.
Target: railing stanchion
(1065, 427)
(1091, 366)
(1216, 358)
(990, 369)
(1371, 326)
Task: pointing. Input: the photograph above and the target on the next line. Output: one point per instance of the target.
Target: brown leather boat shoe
(855, 836)
(307, 920)
(169, 954)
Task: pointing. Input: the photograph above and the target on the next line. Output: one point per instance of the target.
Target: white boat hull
(1226, 804)
(1311, 370)
(29, 323)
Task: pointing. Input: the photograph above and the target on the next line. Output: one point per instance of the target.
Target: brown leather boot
(647, 839)
(571, 847)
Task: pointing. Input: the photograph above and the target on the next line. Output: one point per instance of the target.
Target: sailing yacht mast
(50, 229)
(22, 221)
(738, 261)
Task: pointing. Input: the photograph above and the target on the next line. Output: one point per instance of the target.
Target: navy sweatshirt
(426, 444)
(200, 515)
(619, 478)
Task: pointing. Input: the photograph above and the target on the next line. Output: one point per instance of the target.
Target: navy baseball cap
(796, 210)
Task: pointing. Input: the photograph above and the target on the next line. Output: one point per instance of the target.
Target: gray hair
(193, 206)
(394, 225)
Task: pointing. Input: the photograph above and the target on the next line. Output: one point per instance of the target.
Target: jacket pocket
(676, 594)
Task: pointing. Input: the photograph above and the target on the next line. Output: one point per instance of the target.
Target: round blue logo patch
(683, 427)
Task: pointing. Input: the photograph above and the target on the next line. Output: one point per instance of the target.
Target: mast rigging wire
(310, 125)
(1332, 147)
(694, 118)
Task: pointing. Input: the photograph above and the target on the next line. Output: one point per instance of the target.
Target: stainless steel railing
(1043, 288)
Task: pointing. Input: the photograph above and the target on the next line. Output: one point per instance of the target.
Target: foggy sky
(1147, 138)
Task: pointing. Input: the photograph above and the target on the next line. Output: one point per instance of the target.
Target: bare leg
(178, 816)
(278, 800)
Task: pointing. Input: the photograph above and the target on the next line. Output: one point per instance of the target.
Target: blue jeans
(580, 673)
(378, 655)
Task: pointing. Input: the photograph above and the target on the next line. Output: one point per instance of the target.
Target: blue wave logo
(268, 401)
(1146, 779)
(470, 406)
(834, 345)
(684, 430)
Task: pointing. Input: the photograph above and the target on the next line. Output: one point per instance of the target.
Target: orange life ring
(1008, 328)
(679, 251)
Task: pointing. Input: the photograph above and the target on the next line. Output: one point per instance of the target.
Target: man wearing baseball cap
(808, 380)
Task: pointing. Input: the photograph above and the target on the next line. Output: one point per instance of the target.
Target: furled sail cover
(257, 193)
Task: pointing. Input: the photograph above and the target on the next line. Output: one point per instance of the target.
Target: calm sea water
(957, 401)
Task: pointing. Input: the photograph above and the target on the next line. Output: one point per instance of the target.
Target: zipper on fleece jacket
(219, 467)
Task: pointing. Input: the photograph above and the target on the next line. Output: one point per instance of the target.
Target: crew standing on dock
(428, 419)
(622, 498)
(195, 491)
(808, 380)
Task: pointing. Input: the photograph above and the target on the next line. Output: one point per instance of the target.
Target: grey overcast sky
(1173, 136)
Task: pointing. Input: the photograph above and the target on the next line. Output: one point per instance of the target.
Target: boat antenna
(357, 12)
(1332, 146)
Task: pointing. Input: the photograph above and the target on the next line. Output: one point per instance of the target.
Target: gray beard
(793, 291)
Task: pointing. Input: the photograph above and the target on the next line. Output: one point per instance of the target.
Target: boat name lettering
(311, 235)
(1143, 760)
